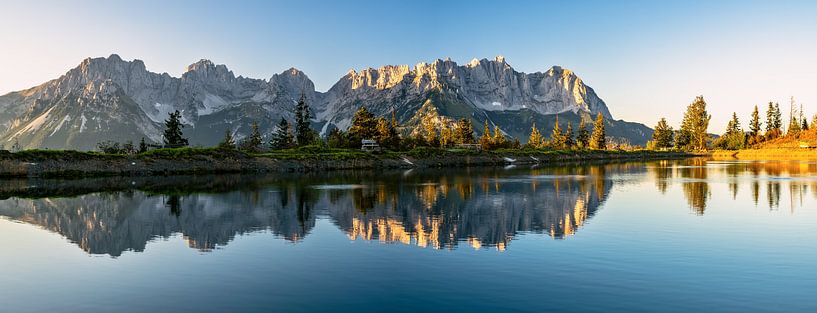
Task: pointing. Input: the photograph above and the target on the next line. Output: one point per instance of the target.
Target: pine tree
(778, 118)
(486, 140)
(228, 142)
(557, 138)
(794, 122)
(773, 121)
(304, 134)
(446, 135)
(364, 126)
(535, 140)
(143, 146)
(754, 124)
(253, 142)
(734, 138)
(803, 122)
(598, 140)
(465, 131)
(569, 142)
(696, 123)
(662, 136)
(429, 127)
(583, 137)
(282, 138)
(383, 132)
(173, 136)
(499, 140)
(394, 136)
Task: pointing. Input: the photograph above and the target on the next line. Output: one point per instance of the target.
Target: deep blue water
(670, 236)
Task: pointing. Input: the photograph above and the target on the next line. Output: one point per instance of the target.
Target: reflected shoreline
(443, 209)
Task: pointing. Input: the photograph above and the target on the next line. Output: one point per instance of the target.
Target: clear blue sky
(646, 59)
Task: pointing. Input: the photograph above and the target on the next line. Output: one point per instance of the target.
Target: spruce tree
(794, 122)
(282, 138)
(465, 131)
(173, 136)
(143, 146)
(486, 140)
(394, 136)
(303, 132)
(364, 126)
(535, 140)
(583, 137)
(228, 142)
(557, 138)
(662, 136)
(569, 142)
(598, 140)
(499, 140)
(754, 124)
(253, 142)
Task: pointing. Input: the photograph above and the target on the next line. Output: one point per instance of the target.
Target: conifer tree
(754, 124)
(535, 140)
(696, 123)
(465, 131)
(173, 136)
(583, 137)
(282, 138)
(598, 140)
(557, 138)
(569, 142)
(394, 136)
(254, 141)
(499, 140)
(486, 140)
(228, 142)
(364, 126)
(304, 134)
(794, 122)
(662, 136)
(143, 146)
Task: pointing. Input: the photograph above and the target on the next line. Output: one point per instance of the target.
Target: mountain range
(114, 99)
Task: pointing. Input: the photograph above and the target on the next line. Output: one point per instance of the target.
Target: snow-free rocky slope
(113, 99)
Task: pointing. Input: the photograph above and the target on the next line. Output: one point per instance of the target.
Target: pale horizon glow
(645, 59)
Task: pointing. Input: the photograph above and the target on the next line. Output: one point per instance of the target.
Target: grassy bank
(768, 154)
(56, 163)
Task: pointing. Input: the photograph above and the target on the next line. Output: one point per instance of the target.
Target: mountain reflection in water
(437, 209)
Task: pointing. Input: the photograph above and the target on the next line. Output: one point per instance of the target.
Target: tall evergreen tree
(173, 136)
(662, 136)
(394, 136)
(254, 141)
(499, 140)
(557, 138)
(598, 140)
(569, 142)
(282, 138)
(486, 140)
(446, 135)
(794, 122)
(364, 126)
(695, 124)
(754, 124)
(228, 142)
(143, 146)
(583, 137)
(535, 140)
(304, 134)
(465, 131)
(734, 138)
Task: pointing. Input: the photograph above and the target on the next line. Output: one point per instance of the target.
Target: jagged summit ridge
(110, 95)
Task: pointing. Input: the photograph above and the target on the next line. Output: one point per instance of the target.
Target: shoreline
(767, 154)
(44, 163)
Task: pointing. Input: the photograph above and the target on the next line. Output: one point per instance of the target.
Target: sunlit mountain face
(485, 208)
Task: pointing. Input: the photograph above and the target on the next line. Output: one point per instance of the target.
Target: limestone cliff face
(113, 99)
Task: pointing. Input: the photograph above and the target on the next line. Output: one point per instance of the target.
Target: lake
(671, 236)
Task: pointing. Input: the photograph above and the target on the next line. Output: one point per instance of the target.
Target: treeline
(433, 131)
(693, 134)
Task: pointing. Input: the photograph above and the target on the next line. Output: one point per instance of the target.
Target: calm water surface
(709, 236)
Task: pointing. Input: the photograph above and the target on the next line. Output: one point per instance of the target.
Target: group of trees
(693, 133)
(564, 139)
(285, 135)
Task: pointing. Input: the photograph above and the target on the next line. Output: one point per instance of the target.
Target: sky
(645, 59)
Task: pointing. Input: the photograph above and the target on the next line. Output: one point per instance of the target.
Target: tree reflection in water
(439, 209)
